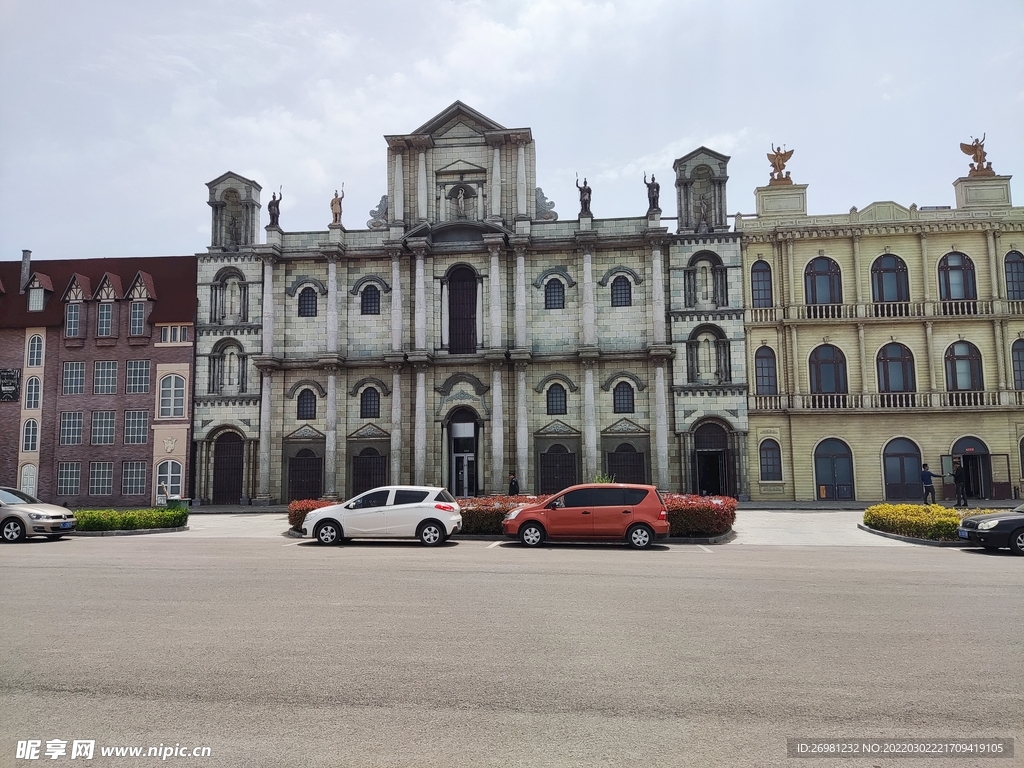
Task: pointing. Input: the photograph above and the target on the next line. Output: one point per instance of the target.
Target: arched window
(895, 365)
(890, 286)
(369, 404)
(556, 400)
(622, 398)
(32, 393)
(306, 405)
(28, 479)
(622, 292)
(168, 478)
(369, 300)
(229, 298)
(823, 282)
(765, 377)
(462, 285)
(771, 461)
(30, 436)
(828, 377)
(1014, 276)
(554, 295)
(1017, 355)
(963, 368)
(708, 356)
(172, 396)
(307, 302)
(956, 279)
(35, 351)
(761, 284)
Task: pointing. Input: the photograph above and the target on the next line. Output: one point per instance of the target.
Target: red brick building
(96, 361)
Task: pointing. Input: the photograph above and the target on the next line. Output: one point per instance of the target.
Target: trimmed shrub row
(129, 520)
(919, 521)
(482, 515)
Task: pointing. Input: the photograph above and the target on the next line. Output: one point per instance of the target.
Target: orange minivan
(605, 511)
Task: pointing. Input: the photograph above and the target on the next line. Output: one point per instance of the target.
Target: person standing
(513, 484)
(928, 483)
(960, 480)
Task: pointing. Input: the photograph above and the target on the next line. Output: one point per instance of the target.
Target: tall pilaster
(421, 184)
(864, 379)
(420, 429)
(331, 444)
(657, 289)
(398, 192)
(661, 425)
(396, 422)
(522, 342)
(589, 329)
(396, 301)
(263, 488)
(856, 271)
(497, 428)
(268, 304)
(522, 428)
(590, 458)
(521, 191)
(332, 304)
(495, 340)
(496, 182)
(420, 300)
(929, 348)
(926, 272)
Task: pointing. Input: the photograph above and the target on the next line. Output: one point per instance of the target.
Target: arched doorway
(901, 460)
(305, 475)
(228, 461)
(369, 470)
(557, 469)
(626, 464)
(833, 470)
(463, 442)
(710, 460)
(988, 475)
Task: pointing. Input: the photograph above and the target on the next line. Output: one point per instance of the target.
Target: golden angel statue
(976, 151)
(778, 157)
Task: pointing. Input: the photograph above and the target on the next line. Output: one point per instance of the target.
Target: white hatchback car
(422, 512)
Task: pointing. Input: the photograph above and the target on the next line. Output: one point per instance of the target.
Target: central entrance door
(626, 465)
(710, 460)
(557, 469)
(902, 462)
(305, 475)
(463, 431)
(833, 470)
(228, 456)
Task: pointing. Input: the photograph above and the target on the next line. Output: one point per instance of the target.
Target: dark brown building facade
(96, 378)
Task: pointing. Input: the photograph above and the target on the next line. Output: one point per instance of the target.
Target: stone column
(246, 472)
(479, 311)
(792, 273)
(589, 331)
(444, 313)
(420, 430)
(521, 177)
(998, 289)
(332, 305)
(741, 456)
(268, 304)
(661, 474)
(495, 339)
(927, 275)
(396, 302)
(997, 332)
(331, 444)
(856, 271)
(930, 352)
(864, 387)
(420, 300)
(590, 458)
(794, 363)
(520, 331)
(396, 423)
(263, 487)
(497, 429)
(522, 428)
(496, 183)
(421, 185)
(398, 213)
(658, 291)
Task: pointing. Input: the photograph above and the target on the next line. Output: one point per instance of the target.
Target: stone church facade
(467, 331)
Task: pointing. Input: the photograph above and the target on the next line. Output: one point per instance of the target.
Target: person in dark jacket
(960, 480)
(928, 483)
(513, 484)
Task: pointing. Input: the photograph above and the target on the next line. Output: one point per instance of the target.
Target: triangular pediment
(884, 211)
(461, 166)
(369, 432)
(624, 427)
(305, 432)
(445, 122)
(557, 427)
(231, 176)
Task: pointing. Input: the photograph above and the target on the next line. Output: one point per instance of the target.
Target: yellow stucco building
(884, 338)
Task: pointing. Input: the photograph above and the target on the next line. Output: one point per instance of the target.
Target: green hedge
(129, 520)
(918, 521)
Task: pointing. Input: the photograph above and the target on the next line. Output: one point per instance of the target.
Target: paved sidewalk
(818, 528)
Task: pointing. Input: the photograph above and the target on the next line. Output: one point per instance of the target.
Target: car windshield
(11, 496)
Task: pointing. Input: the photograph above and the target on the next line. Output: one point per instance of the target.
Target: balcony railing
(886, 309)
(885, 401)
(762, 314)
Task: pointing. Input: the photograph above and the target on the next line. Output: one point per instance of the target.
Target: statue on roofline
(778, 157)
(976, 150)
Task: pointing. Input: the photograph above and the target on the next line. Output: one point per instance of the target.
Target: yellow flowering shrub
(919, 521)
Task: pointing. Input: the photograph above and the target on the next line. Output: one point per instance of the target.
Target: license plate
(963, 534)
(65, 525)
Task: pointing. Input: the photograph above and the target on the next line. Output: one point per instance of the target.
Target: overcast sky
(115, 113)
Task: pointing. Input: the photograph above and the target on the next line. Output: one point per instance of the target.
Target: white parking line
(492, 546)
(293, 543)
(704, 548)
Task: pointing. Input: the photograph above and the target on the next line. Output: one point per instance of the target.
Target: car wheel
(531, 535)
(431, 533)
(640, 537)
(1017, 541)
(13, 529)
(328, 532)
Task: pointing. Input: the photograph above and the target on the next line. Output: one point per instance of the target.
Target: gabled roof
(702, 150)
(147, 280)
(83, 282)
(115, 283)
(44, 280)
(458, 110)
(232, 175)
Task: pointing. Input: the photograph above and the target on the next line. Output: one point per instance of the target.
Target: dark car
(996, 530)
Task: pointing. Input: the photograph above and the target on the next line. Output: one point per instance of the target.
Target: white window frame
(72, 324)
(138, 318)
(69, 478)
(133, 478)
(35, 351)
(30, 436)
(74, 374)
(105, 319)
(170, 394)
(33, 394)
(104, 426)
(36, 299)
(71, 427)
(134, 383)
(104, 377)
(136, 427)
(167, 475)
(101, 478)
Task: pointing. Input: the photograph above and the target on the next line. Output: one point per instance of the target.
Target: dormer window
(138, 318)
(72, 314)
(104, 315)
(35, 299)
